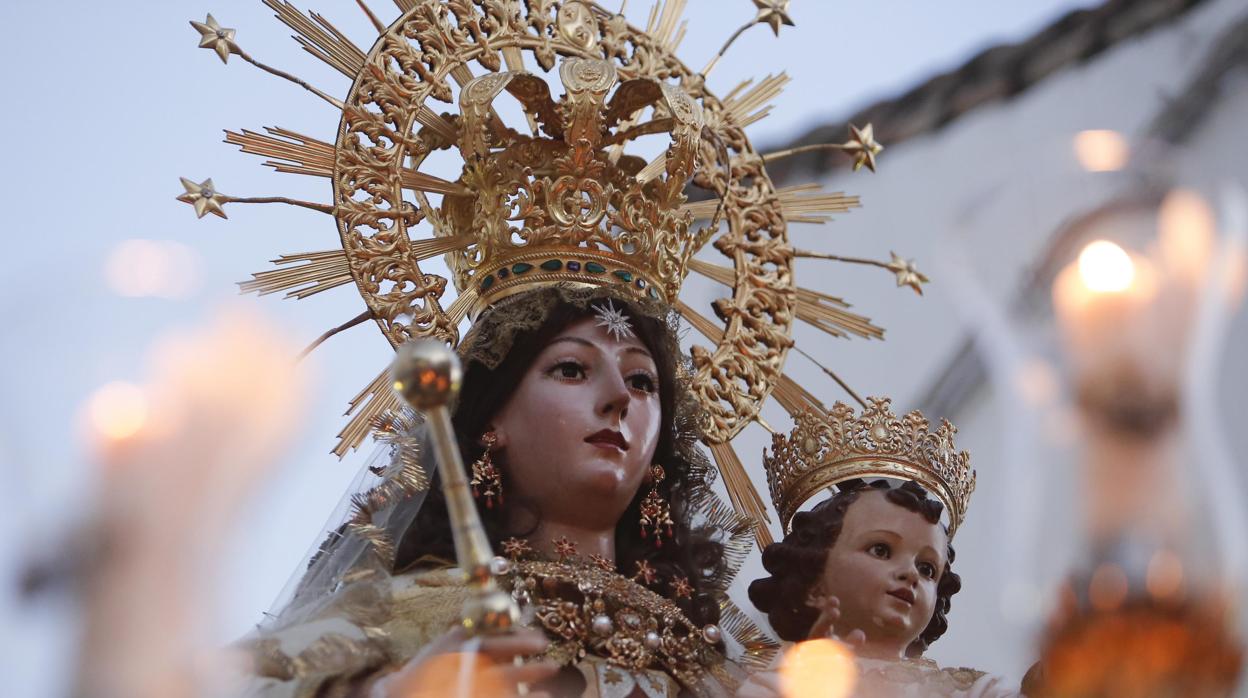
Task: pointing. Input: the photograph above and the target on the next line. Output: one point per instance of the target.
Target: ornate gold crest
(826, 448)
(559, 196)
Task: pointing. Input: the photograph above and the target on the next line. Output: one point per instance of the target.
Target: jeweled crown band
(825, 449)
(560, 266)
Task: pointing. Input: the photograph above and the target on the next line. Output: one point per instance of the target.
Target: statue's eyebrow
(585, 342)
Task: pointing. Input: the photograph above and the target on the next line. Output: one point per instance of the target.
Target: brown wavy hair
(693, 552)
(797, 563)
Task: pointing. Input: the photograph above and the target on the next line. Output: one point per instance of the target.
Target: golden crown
(827, 448)
(568, 207)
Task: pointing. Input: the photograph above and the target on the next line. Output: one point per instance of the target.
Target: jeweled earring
(656, 514)
(487, 481)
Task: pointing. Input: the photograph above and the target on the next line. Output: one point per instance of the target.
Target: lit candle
(1121, 350)
(1102, 304)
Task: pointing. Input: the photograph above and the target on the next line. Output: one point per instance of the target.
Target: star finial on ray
(204, 197)
(216, 37)
(907, 273)
(862, 146)
(774, 13)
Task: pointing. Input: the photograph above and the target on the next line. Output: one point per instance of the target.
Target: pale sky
(109, 104)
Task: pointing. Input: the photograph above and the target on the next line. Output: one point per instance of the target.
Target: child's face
(884, 568)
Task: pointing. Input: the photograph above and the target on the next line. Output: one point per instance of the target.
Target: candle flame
(1105, 267)
(823, 668)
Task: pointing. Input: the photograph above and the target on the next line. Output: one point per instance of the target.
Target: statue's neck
(588, 541)
(881, 649)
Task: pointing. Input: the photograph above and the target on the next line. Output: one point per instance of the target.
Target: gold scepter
(427, 375)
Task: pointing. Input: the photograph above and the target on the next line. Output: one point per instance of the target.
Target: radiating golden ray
(653, 169)
(375, 399)
(294, 152)
(802, 203)
(513, 57)
(320, 38)
(377, 24)
(832, 374)
(746, 107)
(829, 314)
(700, 322)
(424, 249)
(759, 648)
(304, 274)
(662, 24)
(405, 5)
(797, 202)
(419, 181)
(462, 74)
(741, 490)
(437, 123)
(458, 309)
(793, 397)
(825, 312)
(701, 210)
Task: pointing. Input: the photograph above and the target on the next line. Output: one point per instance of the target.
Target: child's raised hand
(825, 625)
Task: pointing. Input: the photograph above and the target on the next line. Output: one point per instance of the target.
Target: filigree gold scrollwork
(562, 186)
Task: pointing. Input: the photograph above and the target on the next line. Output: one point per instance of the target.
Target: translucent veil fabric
(341, 546)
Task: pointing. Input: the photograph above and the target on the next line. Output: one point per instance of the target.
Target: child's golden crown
(827, 448)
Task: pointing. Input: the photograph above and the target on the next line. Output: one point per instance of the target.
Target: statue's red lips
(904, 594)
(608, 437)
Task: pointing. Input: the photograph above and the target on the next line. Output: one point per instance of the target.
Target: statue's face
(884, 568)
(578, 435)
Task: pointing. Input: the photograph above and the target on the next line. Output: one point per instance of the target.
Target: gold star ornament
(681, 588)
(645, 573)
(907, 273)
(773, 13)
(564, 548)
(516, 548)
(204, 197)
(862, 147)
(212, 35)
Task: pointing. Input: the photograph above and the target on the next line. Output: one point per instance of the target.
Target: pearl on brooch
(602, 625)
(712, 634)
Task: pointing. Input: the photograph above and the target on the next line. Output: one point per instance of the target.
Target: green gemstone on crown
(487, 282)
(595, 268)
(520, 267)
(552, 265)
(623, 275)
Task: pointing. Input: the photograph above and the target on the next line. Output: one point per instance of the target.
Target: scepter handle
(427, 375)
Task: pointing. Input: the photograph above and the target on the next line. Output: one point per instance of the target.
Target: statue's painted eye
(643, 382)
(568, 370)
(928, 570)
(880, 550)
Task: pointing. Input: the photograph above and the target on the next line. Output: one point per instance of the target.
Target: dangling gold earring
(656, 514)
(487, 481)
